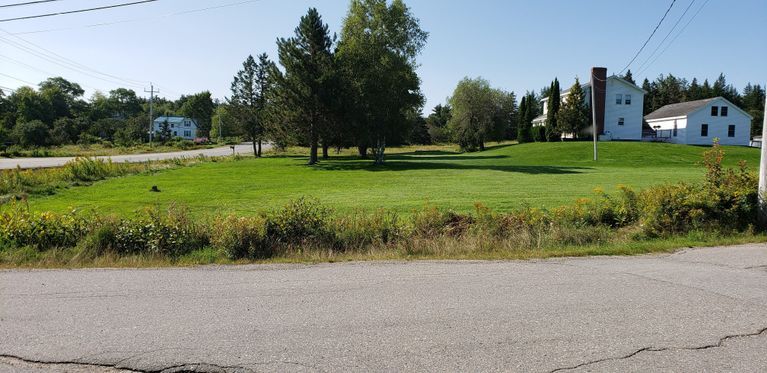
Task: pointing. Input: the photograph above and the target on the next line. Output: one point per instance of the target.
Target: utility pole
(151, 92)
(763, 174)
(594, 112)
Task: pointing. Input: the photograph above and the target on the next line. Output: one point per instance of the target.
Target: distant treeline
(57, 114)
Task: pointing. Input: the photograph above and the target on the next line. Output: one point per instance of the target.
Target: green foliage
(302, 221)
(377, 54)
(241, 237)
(552, 126)
(437, 122)
(44, 230)
(573, 117)
(200, 108)
(476, 116)
(34, 133)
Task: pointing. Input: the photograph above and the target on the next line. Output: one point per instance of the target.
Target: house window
(171, 125)
(175, 133)
(731, 130)
(618, 99)
(187, 133)
(187, 124)
(704, 130)
(714, 111)
(621, 121)
(628, 100)
(723, 111)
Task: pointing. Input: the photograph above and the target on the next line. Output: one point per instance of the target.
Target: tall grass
(16, 184)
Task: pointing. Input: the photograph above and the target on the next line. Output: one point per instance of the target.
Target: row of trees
(358, 90)
(56, 114)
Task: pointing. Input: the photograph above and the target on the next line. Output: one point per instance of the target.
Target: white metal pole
(763, 173)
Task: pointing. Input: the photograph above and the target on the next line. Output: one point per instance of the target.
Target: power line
(60, 60)
(27, 3)
(648, 39)
(15, 78)
(77, 11)
(675, 37)
(180, 13)
(667, 35)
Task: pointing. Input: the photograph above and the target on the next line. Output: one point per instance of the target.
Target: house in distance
(619, 105)
(183, 127)
(699, 122)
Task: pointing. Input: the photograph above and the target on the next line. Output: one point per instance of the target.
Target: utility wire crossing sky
(195, 45)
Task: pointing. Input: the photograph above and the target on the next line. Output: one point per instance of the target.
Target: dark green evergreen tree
(552, 129)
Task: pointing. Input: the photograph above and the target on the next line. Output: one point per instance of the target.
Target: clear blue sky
(516, 45)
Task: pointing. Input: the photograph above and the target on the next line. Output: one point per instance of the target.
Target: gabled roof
(684, 109)
(174, 120)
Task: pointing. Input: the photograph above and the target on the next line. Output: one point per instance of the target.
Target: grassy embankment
(378, 212)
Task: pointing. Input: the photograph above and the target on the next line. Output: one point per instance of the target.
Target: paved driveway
(45, 162)
(693, 311)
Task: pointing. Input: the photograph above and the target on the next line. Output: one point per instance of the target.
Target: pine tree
(574, 115)
(628, 77)
(649, 97)
(523, 131)
(306, 89)
(250, 89)
(695, 92)
(553, 104)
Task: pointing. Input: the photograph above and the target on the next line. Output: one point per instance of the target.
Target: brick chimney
(599, 85)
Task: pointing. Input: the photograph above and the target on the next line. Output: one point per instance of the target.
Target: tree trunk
(255, 149)
(363, 151)
(379, 151)
(312, 146)
(481, 145)
(325, 148)
(259, 148)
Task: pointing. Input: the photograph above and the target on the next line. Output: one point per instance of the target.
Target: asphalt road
(47, 162)
(693, 311)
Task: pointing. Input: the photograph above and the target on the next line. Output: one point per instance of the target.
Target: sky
(516, 45)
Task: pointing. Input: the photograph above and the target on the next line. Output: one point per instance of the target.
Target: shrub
(241, 237)
(431, 222)
(34, 133)
(44, 230)
(300, 222)
(91, 169)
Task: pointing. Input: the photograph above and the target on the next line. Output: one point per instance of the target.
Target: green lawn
(503, 178)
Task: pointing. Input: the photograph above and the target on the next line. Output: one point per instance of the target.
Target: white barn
(619, 105)
(183, 127)
(699, 122)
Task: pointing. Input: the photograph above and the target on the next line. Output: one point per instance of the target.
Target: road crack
(719, 344)
(190, 367)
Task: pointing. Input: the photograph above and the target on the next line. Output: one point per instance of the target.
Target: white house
(699, 122)
(619, 106)
(183, 127)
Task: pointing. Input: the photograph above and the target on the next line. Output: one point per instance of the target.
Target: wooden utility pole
(763, 174)
(151, 92)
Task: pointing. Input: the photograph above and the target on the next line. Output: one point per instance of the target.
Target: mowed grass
(502, 178)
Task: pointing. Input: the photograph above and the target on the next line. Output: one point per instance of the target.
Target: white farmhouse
(619, 106)
(183, 127)
(699, 122)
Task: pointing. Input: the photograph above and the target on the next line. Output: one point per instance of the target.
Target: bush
(41, 230)
(300, 222)
(91, 169)
(171, 233)
(241, 237)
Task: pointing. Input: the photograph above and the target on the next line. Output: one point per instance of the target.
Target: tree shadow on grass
(409, 164)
